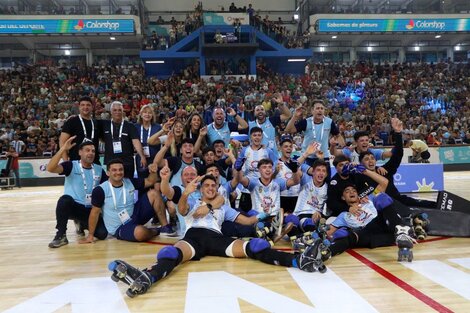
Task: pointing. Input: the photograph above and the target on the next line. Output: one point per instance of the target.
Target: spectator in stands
(160, 20)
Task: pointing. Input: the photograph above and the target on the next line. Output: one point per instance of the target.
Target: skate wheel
(322, 269)
(112, 266)
(308, 233)
(293, 238)
(129, 293)
(114, 278)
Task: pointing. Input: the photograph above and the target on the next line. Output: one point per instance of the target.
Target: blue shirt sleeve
(230, 214)
(253, 183)
(273, 157)
(282, 183)
(377, 153)
(67, 168)
(97, 197)
(305, 179)
(346, 152)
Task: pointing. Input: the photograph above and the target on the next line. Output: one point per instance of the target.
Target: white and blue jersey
(266, 199)
(225, 189)
(80, 182)
(114, 202)
(213, 220)
(176, 197)
(214, 133)
(250, 167)
(346, 219)
(286, 173)
(354, 156)
(311, 198)
(269, 132)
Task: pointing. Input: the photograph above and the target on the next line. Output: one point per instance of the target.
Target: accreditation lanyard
(85, 186)
(120, 130)
(321, 130)
(84, 129)
(264, 132)
(142, 134)
(114, 195)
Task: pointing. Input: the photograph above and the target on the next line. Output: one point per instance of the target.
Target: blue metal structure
(250, 44)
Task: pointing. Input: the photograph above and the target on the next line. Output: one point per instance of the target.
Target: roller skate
(263, 232)
(404, 240)
(139, 281)
(302, 241)
(420, 224)
(278, 229)
(311, 259)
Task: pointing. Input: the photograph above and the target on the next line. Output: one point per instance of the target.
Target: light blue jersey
(213, 220)
(214, 133)
(123, 200)
(80, 182)
(317, 133)
(346, 219)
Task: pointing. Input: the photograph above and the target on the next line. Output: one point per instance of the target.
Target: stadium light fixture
(67, 52)
(296, 60)
(369, 49)
(296, 17)
(155, 62)
(334, 37)
(322, 49)
(417, 48)
(112, 38)
(457, 48)
(437, 36)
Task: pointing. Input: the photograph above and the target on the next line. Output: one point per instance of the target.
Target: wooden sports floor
(74, 278)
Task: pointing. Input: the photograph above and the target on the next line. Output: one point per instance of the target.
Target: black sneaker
(311, 259)
(139, 281)
(58, 241)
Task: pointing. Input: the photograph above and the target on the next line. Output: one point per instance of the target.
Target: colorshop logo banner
(394, 25)
(66, 26)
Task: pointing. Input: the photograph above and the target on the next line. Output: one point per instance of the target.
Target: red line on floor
(400, 283)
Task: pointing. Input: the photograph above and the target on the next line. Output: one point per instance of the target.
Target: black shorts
(288, 203)
(207, 242)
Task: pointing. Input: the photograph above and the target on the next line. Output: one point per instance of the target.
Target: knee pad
(382, 200)
(307, 224)
(340, 233)
(255, 246)
(168, 252)
(291, 218)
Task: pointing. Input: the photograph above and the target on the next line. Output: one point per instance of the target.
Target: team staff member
(114, 198)
(81, 176)
(316, 128)
(83, 127)
(121, 138)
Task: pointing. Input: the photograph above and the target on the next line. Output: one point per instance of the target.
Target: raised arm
(242, 124)
(53, 166)
(183, 206)
(290, 128)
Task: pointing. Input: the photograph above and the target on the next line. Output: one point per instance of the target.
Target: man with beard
(221, 129)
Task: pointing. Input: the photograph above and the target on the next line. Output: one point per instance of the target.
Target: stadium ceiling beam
(27, 42)
(86, 44)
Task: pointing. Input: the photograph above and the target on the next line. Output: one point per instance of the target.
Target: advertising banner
(395, 25)
(419, 178)
(212, 18)
(66, 26)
